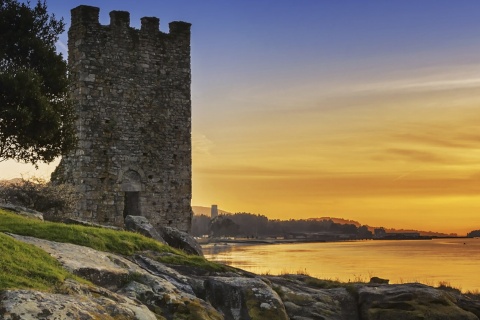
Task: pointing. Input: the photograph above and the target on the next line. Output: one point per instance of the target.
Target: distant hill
(388, 230)
(198, 210)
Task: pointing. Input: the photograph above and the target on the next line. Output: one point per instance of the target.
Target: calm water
(456, 261)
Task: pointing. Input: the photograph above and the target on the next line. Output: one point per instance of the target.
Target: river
(452, 261)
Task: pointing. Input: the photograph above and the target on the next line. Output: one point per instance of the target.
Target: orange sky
(402, 152)
(362, 110)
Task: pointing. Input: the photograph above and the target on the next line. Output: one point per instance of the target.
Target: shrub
(40, 195)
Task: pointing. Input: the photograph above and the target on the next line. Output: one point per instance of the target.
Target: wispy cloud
(435, 140)
(417, 155)
(201, 144)
(257, 172)
(420, 85)
(62, 48)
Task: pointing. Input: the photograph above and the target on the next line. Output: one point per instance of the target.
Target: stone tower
(131, 90)
(214, 211)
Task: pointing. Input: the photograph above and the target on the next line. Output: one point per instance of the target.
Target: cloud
(473, 138)
(62, 48)
(255, 172)
(418, 156)
(453, 78)
(439, 85)
(299, 187)
(201, 144)
(439, 141)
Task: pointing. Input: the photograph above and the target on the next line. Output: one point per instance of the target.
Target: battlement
(89, 16)
(85, 15)
(119, 19)
(150, 24)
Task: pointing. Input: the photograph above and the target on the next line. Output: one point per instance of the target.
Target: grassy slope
(121, 242)
(26, 266)
(20, 263)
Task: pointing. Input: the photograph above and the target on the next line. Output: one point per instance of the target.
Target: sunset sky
(366, 110)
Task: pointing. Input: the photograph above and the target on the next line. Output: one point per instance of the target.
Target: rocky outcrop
(142, 225)
(166, 235)
(409, 302)
(244, 298)
(22, 211)
(143, 287)
(309, 298)
(180, 240)
(82, 302)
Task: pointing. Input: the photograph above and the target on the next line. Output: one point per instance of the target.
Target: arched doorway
(131, 186)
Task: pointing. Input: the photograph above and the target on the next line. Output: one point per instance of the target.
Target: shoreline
(348, 261)
(226, 241)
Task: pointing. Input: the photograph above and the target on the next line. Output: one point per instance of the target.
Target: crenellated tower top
(88, 16)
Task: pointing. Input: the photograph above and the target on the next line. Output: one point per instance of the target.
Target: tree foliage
(36, 115)
(200, 225)
(222, 226)
(473, 234)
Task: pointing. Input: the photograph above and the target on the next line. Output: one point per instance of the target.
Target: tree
(364, 233)
(36, 116)
(222, 226)
(200, 225)
(473, 234)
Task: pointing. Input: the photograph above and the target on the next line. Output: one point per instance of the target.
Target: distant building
(214, 211)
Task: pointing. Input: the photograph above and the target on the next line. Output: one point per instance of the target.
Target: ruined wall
(132, 93)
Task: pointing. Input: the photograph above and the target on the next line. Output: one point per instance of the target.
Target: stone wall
(132, 94)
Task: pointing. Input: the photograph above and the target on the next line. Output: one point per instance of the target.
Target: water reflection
(456, 261)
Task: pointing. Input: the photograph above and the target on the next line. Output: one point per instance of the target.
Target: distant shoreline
(226, 241)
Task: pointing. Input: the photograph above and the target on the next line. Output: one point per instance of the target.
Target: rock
(142, 225)
(305, 297)
(171, 303)
(26, 212)
(377, 280)
(468, 304)
(180, 240)
(156, 268)
(88, 304)
(409, 302)
(242, 298)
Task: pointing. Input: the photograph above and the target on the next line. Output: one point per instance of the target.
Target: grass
(120, 242)
(24, 266)
(446, 286)
(322, 283)
(21, 264)
(193, 261)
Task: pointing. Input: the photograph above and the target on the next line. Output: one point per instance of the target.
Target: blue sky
(340, 108)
